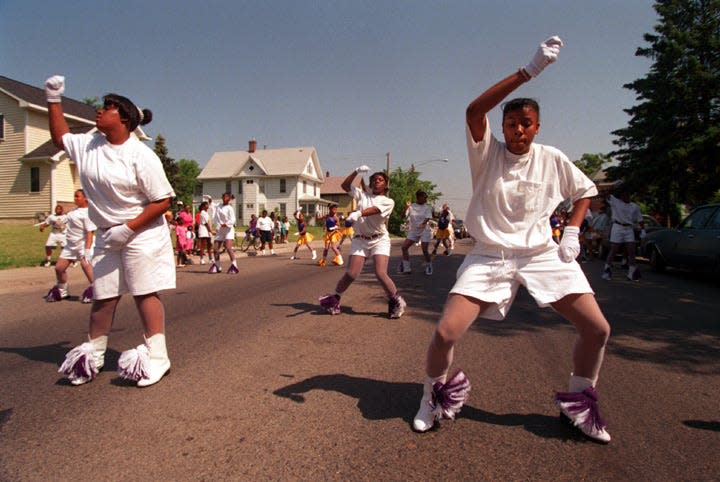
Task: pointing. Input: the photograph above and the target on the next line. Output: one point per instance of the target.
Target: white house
(280, 180)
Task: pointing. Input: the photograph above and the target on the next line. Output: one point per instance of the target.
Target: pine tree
(669, 151)
(169, 164)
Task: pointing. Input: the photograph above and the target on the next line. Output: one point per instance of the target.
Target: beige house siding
(26, 130)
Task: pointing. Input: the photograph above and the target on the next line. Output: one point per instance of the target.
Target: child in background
(304, 238)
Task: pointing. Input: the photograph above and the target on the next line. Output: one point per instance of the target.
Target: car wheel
(656, 262)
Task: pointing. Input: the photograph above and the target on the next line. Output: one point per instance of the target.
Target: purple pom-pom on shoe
(79, 363)
(583, 411)
(449, 397)
(133, 363)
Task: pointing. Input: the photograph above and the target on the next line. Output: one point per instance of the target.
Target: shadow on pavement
(703, 425)
(380, 400)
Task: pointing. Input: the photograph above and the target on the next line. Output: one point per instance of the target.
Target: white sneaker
(428, 269)
(314, 255)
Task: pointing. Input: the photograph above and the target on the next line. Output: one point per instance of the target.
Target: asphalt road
(264, 386)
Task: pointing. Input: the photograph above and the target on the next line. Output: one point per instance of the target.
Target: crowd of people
(519, 239)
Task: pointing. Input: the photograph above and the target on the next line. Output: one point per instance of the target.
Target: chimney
(252, 144)
(327, 173)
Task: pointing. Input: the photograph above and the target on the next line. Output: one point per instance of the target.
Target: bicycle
(250, 240)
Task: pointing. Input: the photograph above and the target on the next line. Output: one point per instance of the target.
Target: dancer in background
(57, 223)
(371, 239)
(224, 234)
(332, 237)
(418, 215)
(304, 238)
(80, 238)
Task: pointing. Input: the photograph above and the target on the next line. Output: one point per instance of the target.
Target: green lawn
(22, 246)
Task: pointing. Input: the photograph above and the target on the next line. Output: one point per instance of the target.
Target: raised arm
(475, 113)
(347, 183)
(54, 87)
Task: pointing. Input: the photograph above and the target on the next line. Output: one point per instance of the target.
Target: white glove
(88, 254)
(546, 54)
(54, 88)
(569, 248)
(362, 169)
(117, 236)
(354, 216)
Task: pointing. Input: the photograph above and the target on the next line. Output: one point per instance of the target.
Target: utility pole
(387, 164)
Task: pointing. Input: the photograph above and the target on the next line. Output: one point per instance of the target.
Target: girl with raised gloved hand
(128, 194)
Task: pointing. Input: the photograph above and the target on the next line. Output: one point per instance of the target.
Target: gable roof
(48, 149)
(289, 161)
(332, 185)
(35, 97)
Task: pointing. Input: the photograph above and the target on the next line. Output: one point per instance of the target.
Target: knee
(443, 339)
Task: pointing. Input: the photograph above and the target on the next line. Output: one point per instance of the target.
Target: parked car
(694, 244)
(459, 229)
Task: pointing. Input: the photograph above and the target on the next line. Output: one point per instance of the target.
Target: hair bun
(146, 117)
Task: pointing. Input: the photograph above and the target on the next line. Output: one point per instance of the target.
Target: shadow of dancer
(381, 400)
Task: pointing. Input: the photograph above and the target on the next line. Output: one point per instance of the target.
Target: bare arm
(478, 108)
(579, 210)
(58, 124)
(347, 183)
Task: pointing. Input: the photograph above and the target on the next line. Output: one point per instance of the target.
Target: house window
(283, 209)
(228, 186)
(261, 187)
(239, 209)
(250, 206)
(34, 179)
(198, 190)
(239, 187)
(283, 187)
(304, 187)
(2, 126)
(249, 181)
(315, 189)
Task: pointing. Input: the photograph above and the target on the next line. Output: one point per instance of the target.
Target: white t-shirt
(224, 214)
(204, 217)
(58, 224)
(622, 212)
(417, 213)
(119, 181)
(514, 196)
(265, 224)
(78, 224)
(375, 224)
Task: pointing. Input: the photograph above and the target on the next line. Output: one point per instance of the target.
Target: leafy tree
(668, 153)
(188, 171)
(589, 164)
(403, 185)
(93, 101)
(169, 164)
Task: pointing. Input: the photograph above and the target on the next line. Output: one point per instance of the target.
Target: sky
(356, 79)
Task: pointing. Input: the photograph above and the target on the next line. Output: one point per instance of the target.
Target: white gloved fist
(546, 54)
(117, 236)
(354, 216)
(569, 248)
(54, 88)
(88, 254)
(362, 169)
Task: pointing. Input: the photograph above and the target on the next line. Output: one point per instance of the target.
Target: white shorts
(224, 233)
(72, 252)
(203, 231)
(145, 264)
(54, 239)
(370, 247)
(423, 235)
(496, 280)
(622, 234)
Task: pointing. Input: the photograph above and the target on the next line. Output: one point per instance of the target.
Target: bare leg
(354, 267)
(458, 314)
(381, 264)
(593, 332)
(152, 313)
(102, 315)
(61, 270)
